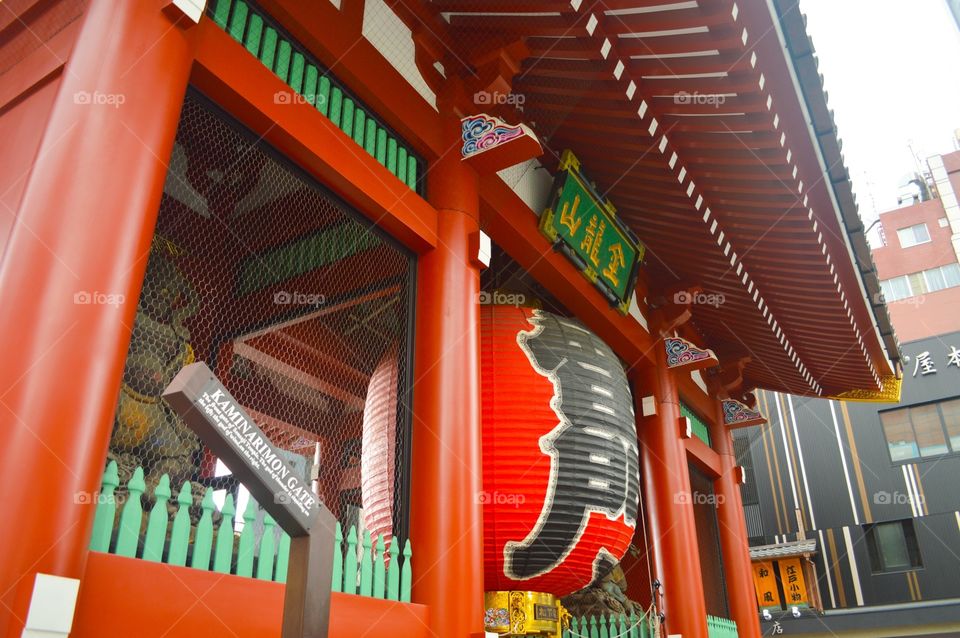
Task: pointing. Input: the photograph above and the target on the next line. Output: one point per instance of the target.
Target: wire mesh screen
(301, 310)
(506, 282)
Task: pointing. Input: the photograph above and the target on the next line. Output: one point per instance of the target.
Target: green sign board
(585, 228)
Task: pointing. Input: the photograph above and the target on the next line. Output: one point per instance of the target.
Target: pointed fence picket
(247, 540)
(180, 534)
(128, 534)
(367, 565)
(223, 554)
(379, 571)
(157, 522)
(350, 563)
(203, 542)
(393, 576)
(106, 510)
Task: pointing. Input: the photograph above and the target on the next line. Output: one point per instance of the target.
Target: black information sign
(199, 398)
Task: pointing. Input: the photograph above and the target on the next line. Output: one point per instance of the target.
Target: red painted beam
(269, 355)
(703, 457)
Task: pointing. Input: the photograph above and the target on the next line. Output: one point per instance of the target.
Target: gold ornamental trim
(889, 392)
(525, 613)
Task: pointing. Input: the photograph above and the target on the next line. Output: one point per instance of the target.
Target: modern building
(470, 296)
(864, 493)
(919, 261)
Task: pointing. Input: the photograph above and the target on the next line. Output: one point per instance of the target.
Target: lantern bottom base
(524, 613)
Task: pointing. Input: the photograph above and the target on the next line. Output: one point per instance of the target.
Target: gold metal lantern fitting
(524, 613)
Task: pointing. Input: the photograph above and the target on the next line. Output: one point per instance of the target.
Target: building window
(893, 546)
(922, 431)
(951, 421)
(934, 279)
(913, 235)
(951, 275)
(896, 288)
(918, 283)
(926, 425)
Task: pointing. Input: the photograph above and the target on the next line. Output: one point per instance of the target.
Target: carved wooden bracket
(739, 415)
(681, 354)
(490, 144)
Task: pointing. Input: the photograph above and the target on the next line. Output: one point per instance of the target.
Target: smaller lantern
(379, 447)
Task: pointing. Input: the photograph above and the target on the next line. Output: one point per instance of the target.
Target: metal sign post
(199, 398)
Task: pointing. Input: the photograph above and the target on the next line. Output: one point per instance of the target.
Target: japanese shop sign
(925, 364)
(794, 587)
(584, 226)
(765, 582)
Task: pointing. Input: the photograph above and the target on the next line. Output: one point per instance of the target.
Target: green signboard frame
(584, 226)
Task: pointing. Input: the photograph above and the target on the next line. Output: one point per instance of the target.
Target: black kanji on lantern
(593, 449)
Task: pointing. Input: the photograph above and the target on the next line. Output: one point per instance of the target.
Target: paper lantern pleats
(560, 459)
(379, 445)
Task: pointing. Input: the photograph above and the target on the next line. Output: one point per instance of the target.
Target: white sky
(892, 71)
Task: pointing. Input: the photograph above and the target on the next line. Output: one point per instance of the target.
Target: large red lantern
(560, 458)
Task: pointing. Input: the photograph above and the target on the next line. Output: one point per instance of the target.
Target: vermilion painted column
(446, 525)
(83, 231)
(733, 534)
(669, 508)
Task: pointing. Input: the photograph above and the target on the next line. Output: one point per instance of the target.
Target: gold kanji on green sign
(586, 228)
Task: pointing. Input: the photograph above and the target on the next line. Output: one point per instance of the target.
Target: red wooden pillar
(83, 231)
(446, 525)
(669, 508)
(733, 534)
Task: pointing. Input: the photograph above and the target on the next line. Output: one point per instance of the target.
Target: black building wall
(822, 468)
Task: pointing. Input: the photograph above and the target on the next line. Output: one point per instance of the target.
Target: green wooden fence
(721, 627)
(633, 626)
(293, 64)
(372, 569)
(612, 626)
